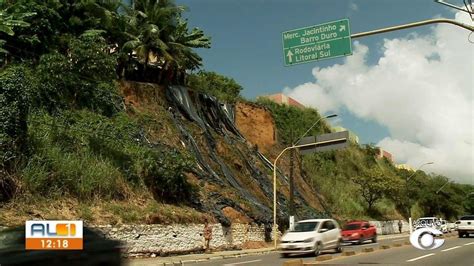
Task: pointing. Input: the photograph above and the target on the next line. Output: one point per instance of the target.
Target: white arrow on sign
(290, 54)
(342, 28)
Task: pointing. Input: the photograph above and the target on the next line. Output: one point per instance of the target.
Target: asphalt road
(273, 259)
(455, 251)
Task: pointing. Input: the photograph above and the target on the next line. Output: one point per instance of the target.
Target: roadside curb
(211, 257)
(295, 262)
(348, 253)
(365, 250)
(324, 257)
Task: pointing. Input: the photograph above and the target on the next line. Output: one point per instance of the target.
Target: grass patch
(141, 208)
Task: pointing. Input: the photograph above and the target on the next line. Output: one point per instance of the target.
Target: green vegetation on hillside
(223, 88)
(64, 130)
(356, 184)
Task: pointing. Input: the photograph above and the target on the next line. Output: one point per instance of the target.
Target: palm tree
(9, 19)
(180, 46)
(156, 31)
(147, 20)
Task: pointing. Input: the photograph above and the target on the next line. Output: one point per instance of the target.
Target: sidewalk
(193, 258)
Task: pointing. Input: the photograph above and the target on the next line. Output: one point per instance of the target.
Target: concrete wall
(180, 238)
(185, 238)
(389, 227)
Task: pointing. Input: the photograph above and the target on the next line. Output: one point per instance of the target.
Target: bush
(63, 161)
(83, 78)
(56, 173)
(163, 173)
(292, 122)
(223, 88)
(14, 84)
(86, 155)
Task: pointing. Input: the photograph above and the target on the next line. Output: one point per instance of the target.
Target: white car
(465, 225)
(311, 236)
(452, 226)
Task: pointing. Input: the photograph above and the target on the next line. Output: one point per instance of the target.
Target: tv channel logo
(426, 238)
(57, 235)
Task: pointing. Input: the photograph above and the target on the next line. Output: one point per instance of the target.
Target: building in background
(352, 136)
(381, 153)
(281, 98)
(405, 167)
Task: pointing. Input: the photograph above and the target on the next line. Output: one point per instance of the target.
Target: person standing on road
(400, 224)
(207, 235)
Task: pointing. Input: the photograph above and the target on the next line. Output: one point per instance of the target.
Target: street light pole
(291, 206)
(447, 181)
(275, 234)
(406, 185)
(419, 167)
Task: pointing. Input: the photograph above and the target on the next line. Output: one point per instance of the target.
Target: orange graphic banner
(54, 243)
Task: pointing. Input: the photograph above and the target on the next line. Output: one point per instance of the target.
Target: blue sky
(246, 40)
(409, 92)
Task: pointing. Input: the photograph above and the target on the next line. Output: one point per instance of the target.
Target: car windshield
(352, 227)
(468, 217)
(305, 227)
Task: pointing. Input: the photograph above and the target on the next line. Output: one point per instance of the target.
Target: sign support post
(315, 144)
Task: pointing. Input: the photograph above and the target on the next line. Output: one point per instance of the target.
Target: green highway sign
(328, 40)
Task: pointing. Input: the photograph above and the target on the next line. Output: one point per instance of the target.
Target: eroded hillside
(233, 177)
(229, 149)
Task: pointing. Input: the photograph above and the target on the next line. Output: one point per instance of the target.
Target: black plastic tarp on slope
(212, 116)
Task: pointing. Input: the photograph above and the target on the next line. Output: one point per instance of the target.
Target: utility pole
(275, 227)
(291, 206)
(408, 196)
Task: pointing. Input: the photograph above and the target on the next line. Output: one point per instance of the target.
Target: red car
(359, 231)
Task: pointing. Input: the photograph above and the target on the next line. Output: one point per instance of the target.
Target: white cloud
(421, 89)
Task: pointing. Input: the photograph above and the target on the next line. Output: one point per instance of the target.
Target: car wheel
(284, 255)
(339, 247)
(361, 240)
(374, 239)
(460, 234)
(317, 249)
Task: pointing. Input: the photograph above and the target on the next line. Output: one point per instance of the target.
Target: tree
(374, 185)
(449, 202)
(180, 47)
(148, 22)
(51, 23)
